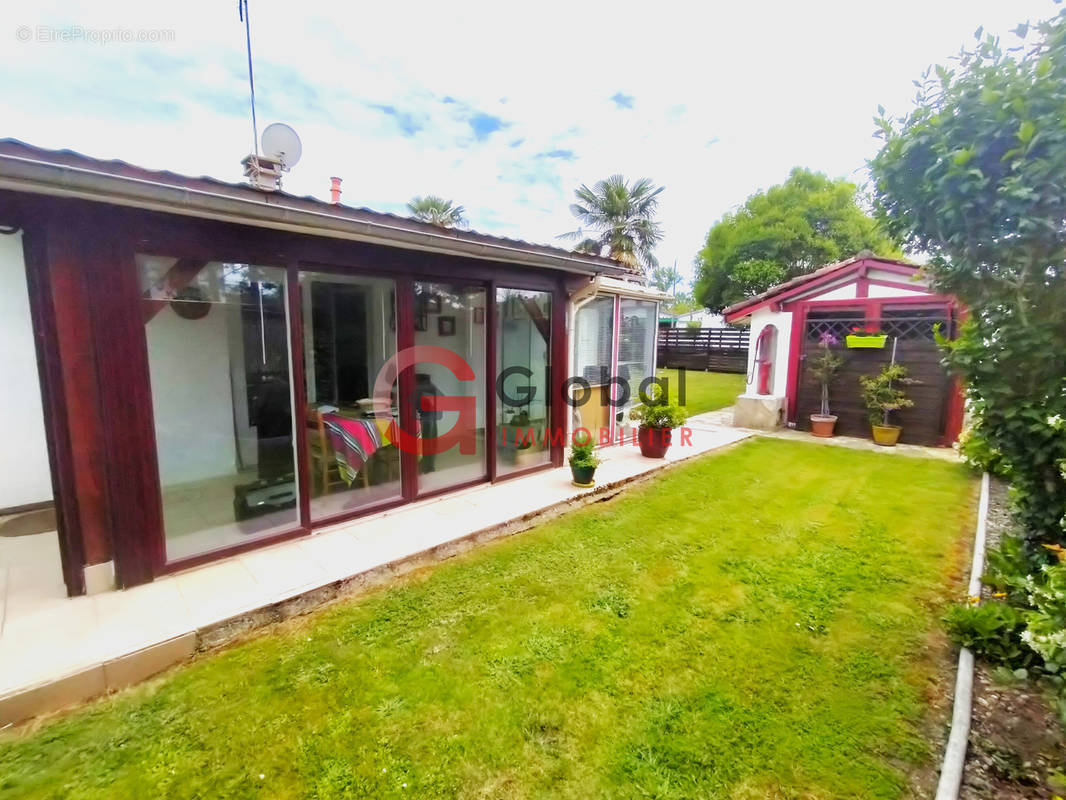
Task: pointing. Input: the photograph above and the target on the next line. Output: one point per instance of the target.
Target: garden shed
(788, 321)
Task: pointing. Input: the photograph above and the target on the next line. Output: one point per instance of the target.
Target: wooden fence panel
(924, 423)
(712, 349)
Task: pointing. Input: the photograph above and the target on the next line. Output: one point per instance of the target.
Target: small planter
(584, 476)
(654, 442)
(858, 342)
(822, 425)
(886, 435)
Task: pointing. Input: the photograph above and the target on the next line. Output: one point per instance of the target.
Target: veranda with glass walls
(268, 414)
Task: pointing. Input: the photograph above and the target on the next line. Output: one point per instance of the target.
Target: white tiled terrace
(56, 651)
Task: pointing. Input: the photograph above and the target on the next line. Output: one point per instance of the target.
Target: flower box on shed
(863, 340)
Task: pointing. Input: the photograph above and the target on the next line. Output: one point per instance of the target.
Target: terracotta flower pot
(654, 442)
(583, 476)
(823, 424)
(886, 435)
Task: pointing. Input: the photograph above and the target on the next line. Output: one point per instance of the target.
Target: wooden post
(74, 398)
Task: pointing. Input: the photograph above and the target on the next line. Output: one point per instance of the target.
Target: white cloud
(725, 98)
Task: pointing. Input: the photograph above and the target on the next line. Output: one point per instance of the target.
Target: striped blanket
(353, 441)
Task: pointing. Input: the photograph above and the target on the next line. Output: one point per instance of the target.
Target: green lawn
(757, 623)
(705, 391)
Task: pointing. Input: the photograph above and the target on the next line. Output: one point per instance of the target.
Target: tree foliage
(622, 219)
(788, 230)
(665, 279)
(975, 176)
(437, 211)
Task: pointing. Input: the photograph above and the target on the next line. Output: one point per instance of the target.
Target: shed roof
(27, 168)
(820, 276)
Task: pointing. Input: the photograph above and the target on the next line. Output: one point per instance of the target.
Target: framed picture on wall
(479, 316)
(446, 326)
(422, 322)
(431, 304)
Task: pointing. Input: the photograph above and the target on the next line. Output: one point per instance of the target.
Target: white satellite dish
(281, 144)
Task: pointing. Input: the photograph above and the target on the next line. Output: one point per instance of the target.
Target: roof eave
(777, 294)
(63, 180)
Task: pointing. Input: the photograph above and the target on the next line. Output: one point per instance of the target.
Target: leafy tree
(682, 304)
(974, 176)
(791, 229)
(622, 217)
(437, 211)
(665, 279)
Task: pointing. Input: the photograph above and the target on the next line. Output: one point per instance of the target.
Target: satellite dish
(281, 144)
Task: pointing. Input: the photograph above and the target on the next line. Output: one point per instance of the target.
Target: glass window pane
(349, 334)
(593, 346)
(450, 316)
(523, 342)
(636, 342)
(218, 356)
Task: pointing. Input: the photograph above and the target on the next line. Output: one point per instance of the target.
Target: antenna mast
(242, 12)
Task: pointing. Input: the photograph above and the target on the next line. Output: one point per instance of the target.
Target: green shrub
(978, 452)
(657, 411)
(881, 393)
(993, 631)
(972, 176)
(1046, 623)
(582, 453)
(1009, 567)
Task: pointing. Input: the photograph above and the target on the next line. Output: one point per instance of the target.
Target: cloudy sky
(504, 107)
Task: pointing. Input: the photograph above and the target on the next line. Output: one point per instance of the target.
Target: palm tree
(622, 217)
(437, 211)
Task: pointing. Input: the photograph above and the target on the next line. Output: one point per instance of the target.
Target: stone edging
(955, 751)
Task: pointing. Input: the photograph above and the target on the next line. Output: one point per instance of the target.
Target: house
(223, 367)
(700, 318)
(788, 321)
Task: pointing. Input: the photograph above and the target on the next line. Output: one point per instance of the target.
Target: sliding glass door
(449, 321)
(349, 334)
(593, 362)
(523, 351)
(217, 337)
(244, 454)
(637, 329)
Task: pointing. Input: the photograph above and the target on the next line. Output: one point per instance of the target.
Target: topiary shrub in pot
(657, 417)
(881, 395)
(583, 462)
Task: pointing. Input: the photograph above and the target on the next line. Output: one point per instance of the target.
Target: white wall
(759, 320)
(24, 472)
(893, 291)
(845, 292)
(189, 362)
(706, 319)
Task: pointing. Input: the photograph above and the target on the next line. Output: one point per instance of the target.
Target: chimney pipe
(335, 190)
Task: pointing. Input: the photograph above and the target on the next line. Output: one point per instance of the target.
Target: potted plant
(882, 395)
(866, 336)
(824, 368)
(583, 462)
(519, 438)
(657, 417)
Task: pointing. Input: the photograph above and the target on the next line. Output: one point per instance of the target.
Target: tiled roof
(15, 149)
(799, 280)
